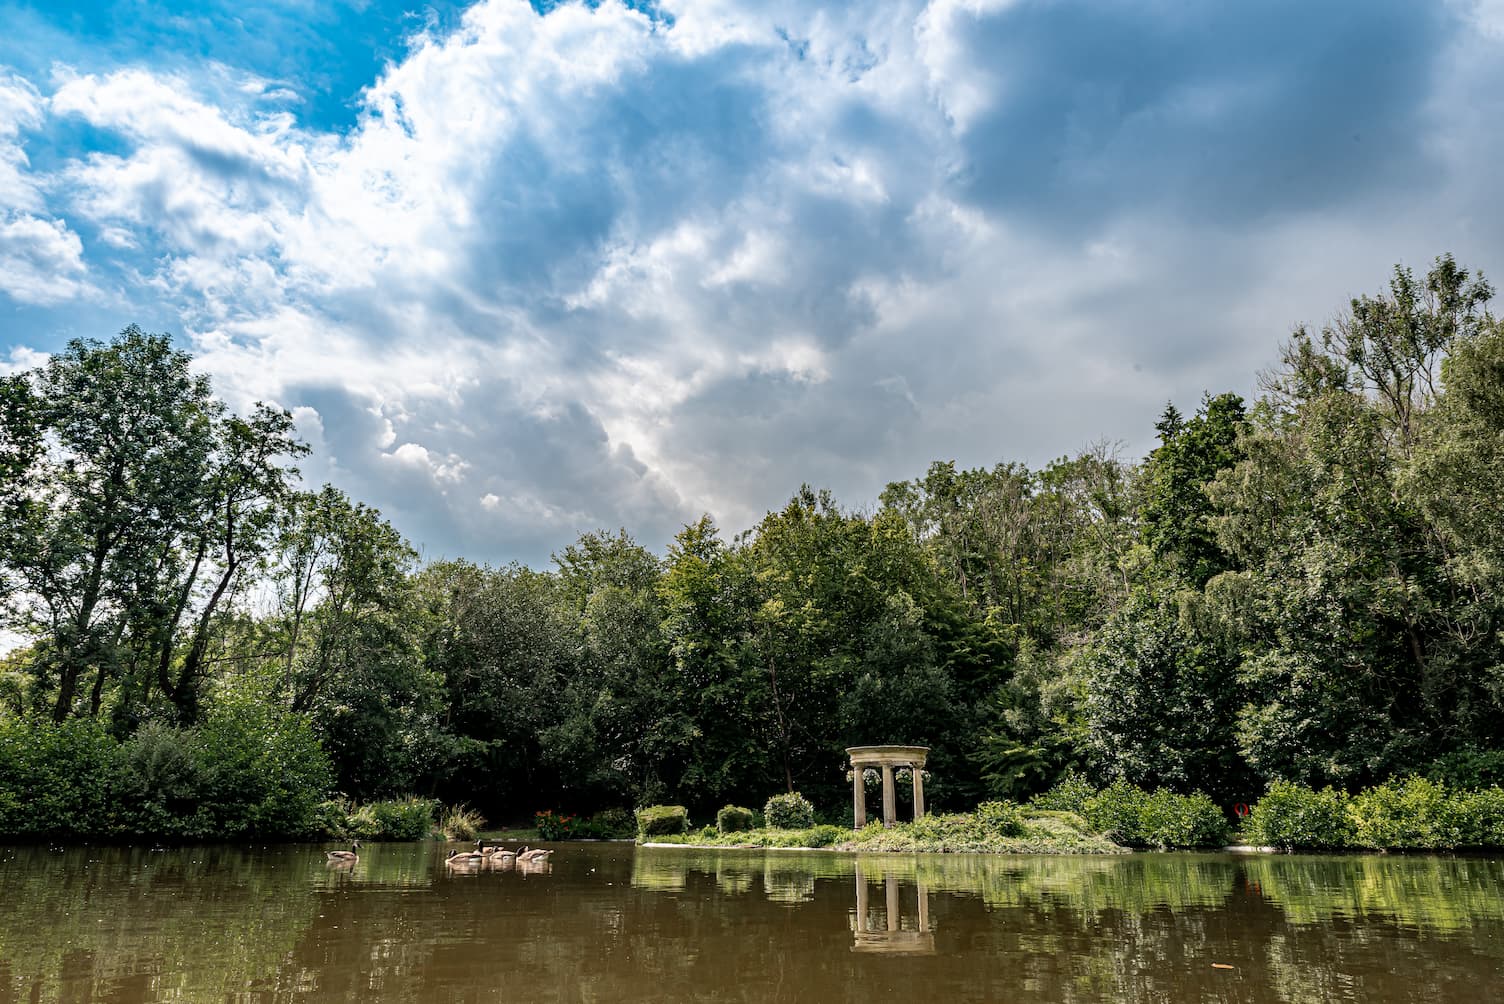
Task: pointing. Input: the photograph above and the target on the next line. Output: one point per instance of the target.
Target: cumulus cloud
(608, 265)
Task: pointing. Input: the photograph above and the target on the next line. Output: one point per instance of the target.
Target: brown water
(610, 922)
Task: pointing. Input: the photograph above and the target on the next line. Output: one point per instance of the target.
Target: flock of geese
(496, 856)
(485, 855)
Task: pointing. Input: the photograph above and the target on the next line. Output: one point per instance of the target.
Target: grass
(1034, 833)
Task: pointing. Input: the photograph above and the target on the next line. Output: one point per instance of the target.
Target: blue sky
(523, 270)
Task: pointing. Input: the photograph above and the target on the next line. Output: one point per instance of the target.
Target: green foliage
(555, 825)
(1001, 819)
(1003, 829)
(1163, 697)
(55, 779)
(161, 777)
(791, 811)
(460, 822)
(1468, 768)
(614, 823)
(608, 824)
(1414, 813)
(661, 820)
(265, 772)
(1479, 817)
(410, 818)
(1070, 794)
(1135, 817)
(1295, 816)
(733, 819)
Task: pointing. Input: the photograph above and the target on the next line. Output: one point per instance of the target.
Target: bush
(1469, 768)
(265, 773)
(1415, 813)
(662, 820)
(1293, 815)
(556, 825)
(825, 835)
(1171, 820)
(733, 819)
(1163, 819)
(56, 780)
(1069, 795)
(410, 818)
(160, 782)
(1479, 817)
(461, 823)
(331, 819)
(1000, 819)
(613, 824)
(789, 812)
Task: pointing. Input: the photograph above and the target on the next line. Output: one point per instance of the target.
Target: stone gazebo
(885, 757)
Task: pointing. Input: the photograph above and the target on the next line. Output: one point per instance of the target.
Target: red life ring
(1241, 809)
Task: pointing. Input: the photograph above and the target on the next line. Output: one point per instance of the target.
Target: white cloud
(596, 269)
(41, 261)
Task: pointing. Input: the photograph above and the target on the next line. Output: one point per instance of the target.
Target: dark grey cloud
(1227, 111)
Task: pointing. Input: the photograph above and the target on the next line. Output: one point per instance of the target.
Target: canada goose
(345, 857)
(458, 860)
(531, 856)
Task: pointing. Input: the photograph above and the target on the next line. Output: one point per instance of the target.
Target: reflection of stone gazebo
(886, 757)
(892, 938)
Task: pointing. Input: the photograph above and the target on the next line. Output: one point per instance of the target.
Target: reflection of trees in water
(614, 924)
(135, 924)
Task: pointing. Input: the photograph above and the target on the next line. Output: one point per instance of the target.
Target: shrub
(1415, 813)
(1171, 820)
(556, 825)
(265, 773)
(825, 835)
(1479, 817)
(1293, 815)
(662, 820)
(160, 780)
(331, 819)
(612, 824)
(789, 812)
(1000, 819)
(410, 818)
(461, 823)
(733, 819)
(1118, 812)
(1162, 819)
(1069, 795)
(55, 779)
(1469, 768)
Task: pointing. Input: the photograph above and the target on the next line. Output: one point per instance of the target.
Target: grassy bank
(988, 831)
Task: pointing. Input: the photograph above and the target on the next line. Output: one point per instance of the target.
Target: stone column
(890, 797)
(858, 796)
(894, 914)
(918, 793)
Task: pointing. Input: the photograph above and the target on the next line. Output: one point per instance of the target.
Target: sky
(521, 271)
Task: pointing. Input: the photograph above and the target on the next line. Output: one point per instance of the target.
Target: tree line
(1304, 587)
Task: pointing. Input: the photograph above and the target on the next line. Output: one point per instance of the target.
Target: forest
(1306, 587)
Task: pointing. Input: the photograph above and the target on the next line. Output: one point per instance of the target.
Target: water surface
(610, 922)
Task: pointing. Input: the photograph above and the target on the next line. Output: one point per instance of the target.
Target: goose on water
(345, 857)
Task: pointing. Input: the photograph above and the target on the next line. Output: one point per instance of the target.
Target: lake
(611, 922)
